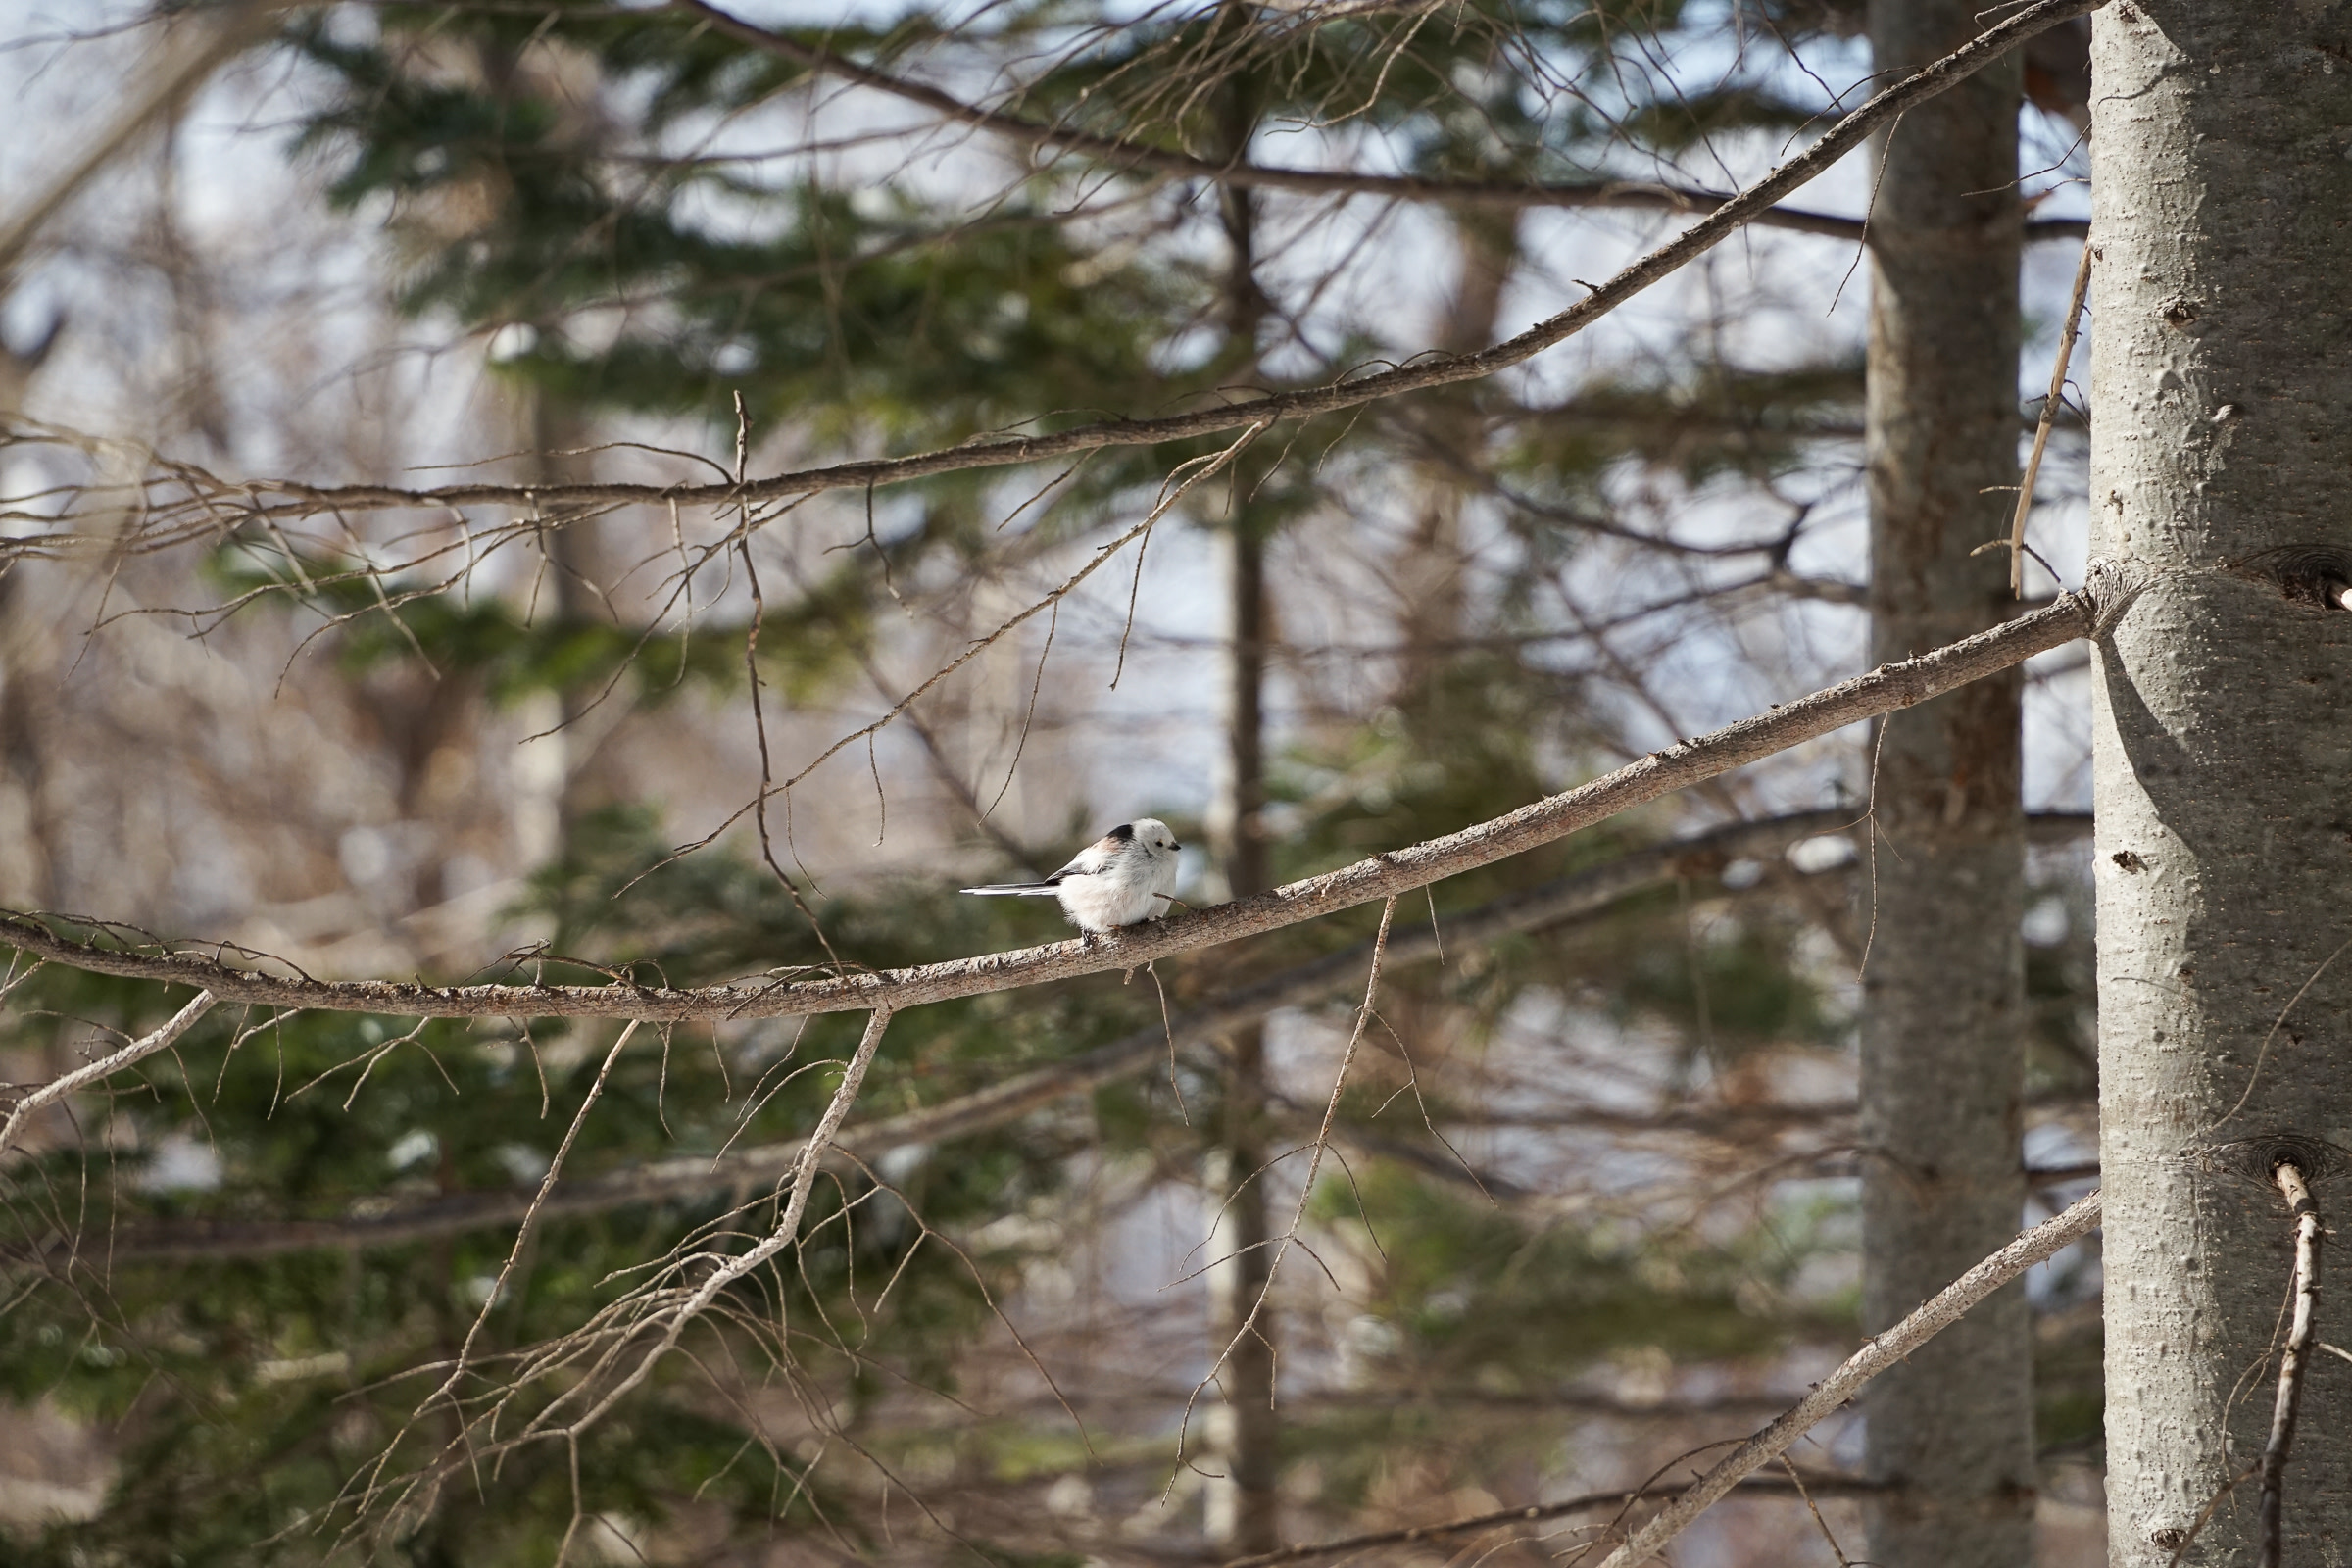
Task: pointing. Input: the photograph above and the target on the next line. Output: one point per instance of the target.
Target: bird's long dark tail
(1018, 890)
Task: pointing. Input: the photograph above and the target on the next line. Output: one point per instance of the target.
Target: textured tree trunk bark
(2220, 426)
(1942, 1016)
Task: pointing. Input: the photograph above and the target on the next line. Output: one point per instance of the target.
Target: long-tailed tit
(1127, 875)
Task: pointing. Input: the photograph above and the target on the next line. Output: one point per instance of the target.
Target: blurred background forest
(1590, 1196)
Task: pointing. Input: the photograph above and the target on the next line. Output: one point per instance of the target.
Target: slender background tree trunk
(2222, 433)
(1244, 1512)
(1943, 1018)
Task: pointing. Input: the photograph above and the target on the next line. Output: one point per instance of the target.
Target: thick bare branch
(1946, 1308)
(130, 1056)
(1883, 690)
(1136, 157)
(275, 497)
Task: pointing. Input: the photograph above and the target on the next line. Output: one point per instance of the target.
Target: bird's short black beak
(1175, 846)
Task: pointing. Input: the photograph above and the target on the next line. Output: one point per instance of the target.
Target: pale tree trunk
(1243, 1504)
(1943, 1010)
(1430, 578)
(2222, 420)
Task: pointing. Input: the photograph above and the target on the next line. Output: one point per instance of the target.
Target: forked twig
(787, 1231)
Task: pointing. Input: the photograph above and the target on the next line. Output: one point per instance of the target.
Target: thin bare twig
(138, 1051)
(2042, 429)
(1382, 876)
(1422, 373)
(1939, 1312)
(1133, 157)
(1504, 1518)
(2306, 1293)
(787, 1230)
(181, 67)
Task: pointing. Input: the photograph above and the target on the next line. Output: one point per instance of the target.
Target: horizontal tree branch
(1883, 690)
(280, 498)
(1939, 1312)
(1141, 157)
(698, 1177)
(1504, 1518)
(693, 1178)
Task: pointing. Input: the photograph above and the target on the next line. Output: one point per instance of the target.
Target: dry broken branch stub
(1505, 1518)
(2293, 1359)
(279, 499)
(1883, 690)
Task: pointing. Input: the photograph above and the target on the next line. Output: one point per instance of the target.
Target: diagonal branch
(1424, 373)
(1883, 690)
(787, 1233)
(186, 65)
(2305, 1291)
(1938, 1313)
(1505, 1518)
(1135, 157)
(138, 1051)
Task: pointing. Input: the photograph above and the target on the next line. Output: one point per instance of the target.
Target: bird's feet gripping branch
(1126, 876)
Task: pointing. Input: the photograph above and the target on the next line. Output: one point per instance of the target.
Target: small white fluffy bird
(1127, 875)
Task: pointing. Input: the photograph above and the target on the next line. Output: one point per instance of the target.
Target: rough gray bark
(2221, 356)
(1942, 1012)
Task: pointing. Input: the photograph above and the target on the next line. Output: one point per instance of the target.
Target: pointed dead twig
(2306, 1294)
(138, 1051)
(1939, 1312)
(2049, 417)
